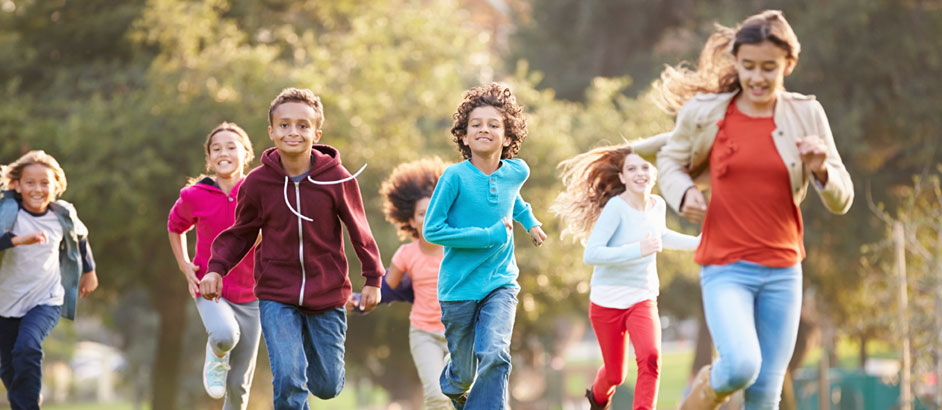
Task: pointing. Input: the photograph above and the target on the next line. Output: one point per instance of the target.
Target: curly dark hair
(515, 125)
(407, 184)
(301, 95)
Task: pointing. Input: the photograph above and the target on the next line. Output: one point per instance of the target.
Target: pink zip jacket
(205, 205)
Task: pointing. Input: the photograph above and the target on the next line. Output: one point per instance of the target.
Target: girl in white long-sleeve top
(609, 190)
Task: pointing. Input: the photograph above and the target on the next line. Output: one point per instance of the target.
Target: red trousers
(613, 327)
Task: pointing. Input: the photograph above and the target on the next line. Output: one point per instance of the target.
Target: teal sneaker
(215, 370)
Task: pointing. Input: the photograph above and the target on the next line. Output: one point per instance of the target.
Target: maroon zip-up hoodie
(301, 259)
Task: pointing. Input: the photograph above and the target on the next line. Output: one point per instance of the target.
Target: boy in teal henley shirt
(469, 214)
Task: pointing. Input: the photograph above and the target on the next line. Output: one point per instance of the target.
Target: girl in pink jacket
(232, 321)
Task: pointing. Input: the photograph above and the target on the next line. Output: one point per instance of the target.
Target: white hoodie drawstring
(289, 204)
(339, 181)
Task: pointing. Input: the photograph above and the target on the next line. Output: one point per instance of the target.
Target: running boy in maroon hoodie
(297, 199)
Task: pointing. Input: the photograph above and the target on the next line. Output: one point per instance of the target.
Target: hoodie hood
(324, 159)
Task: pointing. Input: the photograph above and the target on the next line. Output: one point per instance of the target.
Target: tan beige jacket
(683, 154)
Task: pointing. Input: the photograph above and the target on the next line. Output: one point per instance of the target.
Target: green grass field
(91, 406)
(674, 372)
(675, 367)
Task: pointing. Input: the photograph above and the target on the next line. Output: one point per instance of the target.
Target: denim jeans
(478, 335)
(306, 352)
(21, 354)
(752, 312)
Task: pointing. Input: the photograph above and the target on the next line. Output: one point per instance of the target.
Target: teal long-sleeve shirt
(465, 217)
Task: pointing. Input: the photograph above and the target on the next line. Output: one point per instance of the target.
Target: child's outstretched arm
(9, 240)
(354, 218)
(679, 241)
(523, 213)
(597, 251)
(677, 186)
(437, 230)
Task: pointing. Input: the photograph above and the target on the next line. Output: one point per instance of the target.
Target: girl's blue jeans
(752, 312)
(478, 335)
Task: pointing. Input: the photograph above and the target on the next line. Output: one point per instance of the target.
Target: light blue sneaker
(215, 370)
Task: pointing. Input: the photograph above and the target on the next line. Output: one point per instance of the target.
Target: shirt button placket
(492, 184)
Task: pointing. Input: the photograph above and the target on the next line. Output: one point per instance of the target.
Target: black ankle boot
(592, 404)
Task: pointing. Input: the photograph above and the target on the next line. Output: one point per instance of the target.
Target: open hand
(192, 282)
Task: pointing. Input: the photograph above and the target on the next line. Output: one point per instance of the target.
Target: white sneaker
(215, 370)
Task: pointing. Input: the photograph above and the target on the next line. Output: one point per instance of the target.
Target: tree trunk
(862, 354)
(703, 353)
(789, 402)
(170, 301)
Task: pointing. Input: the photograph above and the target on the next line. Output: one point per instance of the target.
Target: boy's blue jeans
(478, 335)
(306, 352)
(752, 312)
(21, 354)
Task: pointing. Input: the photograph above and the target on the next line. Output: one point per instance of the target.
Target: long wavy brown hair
(407, 184)
(515, 125)
(716, 69)
(590, 179)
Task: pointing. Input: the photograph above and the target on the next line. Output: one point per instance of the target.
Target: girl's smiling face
(227, 155)
(638, 175)
(762, 69)
(37, 186)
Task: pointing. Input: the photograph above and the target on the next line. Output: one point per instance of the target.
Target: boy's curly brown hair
(301, 95)
(515, 125)
(406, 185)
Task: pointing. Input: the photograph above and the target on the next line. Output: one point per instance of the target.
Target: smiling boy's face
(293, 129)
(485, 133)
(37, 186)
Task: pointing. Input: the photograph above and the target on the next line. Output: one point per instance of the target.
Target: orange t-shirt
(426, 313)
(752, 215)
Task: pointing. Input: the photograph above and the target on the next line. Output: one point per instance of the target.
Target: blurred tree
(573, 42)
(919, 209)
(124, 95)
